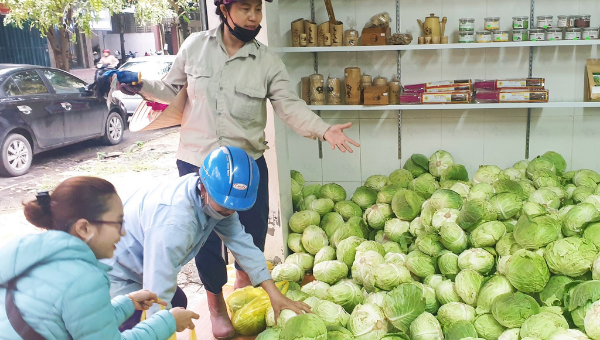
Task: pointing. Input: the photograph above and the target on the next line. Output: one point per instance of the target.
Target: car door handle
(24, 108)
(67, 106)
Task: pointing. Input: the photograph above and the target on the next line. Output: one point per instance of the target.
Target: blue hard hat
(231, 178)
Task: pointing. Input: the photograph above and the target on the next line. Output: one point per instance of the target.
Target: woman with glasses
(52, 285)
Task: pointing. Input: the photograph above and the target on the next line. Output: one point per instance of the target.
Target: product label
(519, 23)
(517, 37)
(514, 97)
(437, 98)
(544, 23)
(501, 37)
(482, 38)
(562, 23)
(492, 25)
(536, 36)
(511, 83)
(572, 36)
(466, 38)
(552, 36)
(588, 35)
(466, 26)
(447, 82)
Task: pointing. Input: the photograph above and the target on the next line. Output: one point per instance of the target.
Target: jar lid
(500, 32)
(466, 19)
(466, 32)
(520, 30)
(545, 17)
(573, 29)
(537, 30)
(574, 16)
(590, 28)
(561, 16)
(492, 19)
(554, 30)
(521, 18)
(484, 32)
(585, 16)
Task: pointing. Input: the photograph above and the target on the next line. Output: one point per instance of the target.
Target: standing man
(109, 59)
(166, 225)
(230, 76)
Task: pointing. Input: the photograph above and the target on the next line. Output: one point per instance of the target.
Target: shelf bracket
(399, 71)
(528, 127)
(316, 68)
(399, 134)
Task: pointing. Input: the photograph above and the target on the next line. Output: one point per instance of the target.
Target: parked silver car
(152, 68)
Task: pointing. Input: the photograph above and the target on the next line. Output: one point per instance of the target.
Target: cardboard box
(375, 36)
(592, 80)
(376, 95)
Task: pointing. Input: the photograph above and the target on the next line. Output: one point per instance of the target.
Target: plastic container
(466, 24)
(537, 34)
(583, 21)
(500, 36)
(562, 21)
(492, 23)
(573, 33)
(484, 36)
(571, 20)
(465, 37)
(589, 33)
(521, 22)
(553, 34)
(520, 35)
(544, 21)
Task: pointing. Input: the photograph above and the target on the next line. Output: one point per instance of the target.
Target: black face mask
(241, 33)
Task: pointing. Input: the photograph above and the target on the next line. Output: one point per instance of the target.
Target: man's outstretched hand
(336, 137)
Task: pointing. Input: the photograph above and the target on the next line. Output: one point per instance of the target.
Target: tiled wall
(474, 137)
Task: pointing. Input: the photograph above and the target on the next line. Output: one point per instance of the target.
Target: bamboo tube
(352, 83)
(365, 80)
(305, 89)
(321, 30)
(394, 89)
(333, 91)
(337, 34)
(297, 29)
(310, 29)
(380, 81)
(351, 38)
(317, 90)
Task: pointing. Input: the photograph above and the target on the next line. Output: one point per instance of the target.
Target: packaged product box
(375, 36)
(512, 96)
(531, 83)
(455, 97)
(376, 95)
(440, 86)
(592, 80)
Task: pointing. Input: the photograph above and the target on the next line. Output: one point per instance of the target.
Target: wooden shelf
(456, 106)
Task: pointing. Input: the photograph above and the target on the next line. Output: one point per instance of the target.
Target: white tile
(586, 138)
(551, 133)
(303, 155)
(463, 137)
(339, 166)
(504, 141)
(341, 115)
(379, 147)
(350, 187)
(387, 114)
(422, 135)
(416, 114)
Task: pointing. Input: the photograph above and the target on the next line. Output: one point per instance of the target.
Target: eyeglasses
(119, 224)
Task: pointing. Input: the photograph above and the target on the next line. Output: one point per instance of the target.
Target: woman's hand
(144, 299)
(183, 318)
(336, 137)
(280, 302)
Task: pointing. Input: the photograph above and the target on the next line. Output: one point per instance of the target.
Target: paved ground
(85, 74)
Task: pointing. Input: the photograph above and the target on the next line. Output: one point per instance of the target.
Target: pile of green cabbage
(427, 254)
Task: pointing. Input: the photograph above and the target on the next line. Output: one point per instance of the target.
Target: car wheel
(16, 155)
(114, 129)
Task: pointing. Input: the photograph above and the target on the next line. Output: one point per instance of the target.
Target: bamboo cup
(297, 29)
(310, 29)
(365, 81)
(321, 31)
(351, 38)
(337, 34)
(352, 84)
(317, 90)
(394, 89)
(333, 91)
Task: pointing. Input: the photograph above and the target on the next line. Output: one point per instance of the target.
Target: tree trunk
(183, 27)
(64, 48)
(53, 39)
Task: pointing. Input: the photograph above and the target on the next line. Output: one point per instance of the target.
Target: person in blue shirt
(52, 285)
(167, 224)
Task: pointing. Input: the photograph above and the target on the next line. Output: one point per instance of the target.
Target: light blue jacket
(165, 229)
(64, 293)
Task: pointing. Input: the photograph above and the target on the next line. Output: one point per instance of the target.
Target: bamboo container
(303, 40)
(321, 31)
(394, 90)
(305, 89)
(297, 29)
(310, 29)
(365, 80)
(352, 83)
(351, 38)
(333, 91)
(337, 34)
(380, 81)
(317, 90)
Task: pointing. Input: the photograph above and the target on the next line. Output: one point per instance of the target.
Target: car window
(63, 82)
(29, 82)
(150, 69)
(10, 88)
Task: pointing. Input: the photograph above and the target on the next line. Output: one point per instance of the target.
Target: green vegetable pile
(428, 254)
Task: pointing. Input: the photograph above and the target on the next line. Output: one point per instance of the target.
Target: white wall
(134, 42)
(474, 137)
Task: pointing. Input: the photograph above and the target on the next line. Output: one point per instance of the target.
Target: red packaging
(524, 83)
(455, 97)
(440, 86)
(512, 96)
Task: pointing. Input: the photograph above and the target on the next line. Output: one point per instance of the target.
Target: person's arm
(114, 62)
(165, 247)
(89, 315)
(297, 115)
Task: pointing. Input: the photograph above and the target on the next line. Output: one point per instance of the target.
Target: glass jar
(571, 19)
(562, 21)
(573, 33)
(583, 21)
(589, 33)
(544, 21)
(484, 36)
(500, 36)
(492, 23)
(521, 22)
(537, 34)
(553, 34)
(520, 35)
(466, 24)
(465, 37)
